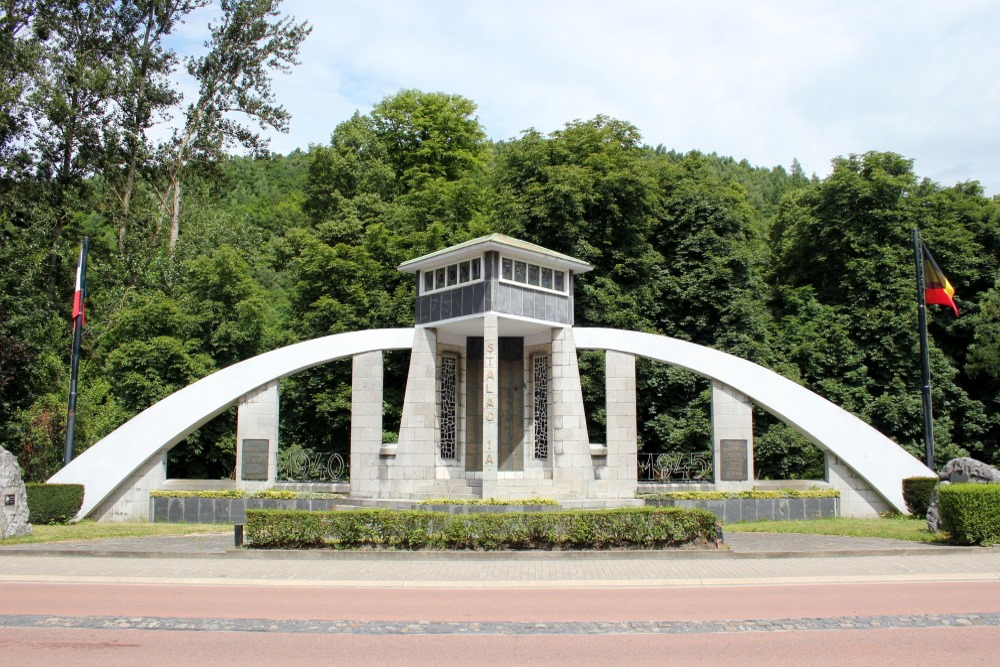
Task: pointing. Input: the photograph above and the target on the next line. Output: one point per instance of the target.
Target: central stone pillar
(491, 429)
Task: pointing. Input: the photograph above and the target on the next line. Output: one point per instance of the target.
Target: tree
(247, 43)
(143, 90)
(849, 240)
(18, 51)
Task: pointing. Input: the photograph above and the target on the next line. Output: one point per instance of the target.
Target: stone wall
(732, 510)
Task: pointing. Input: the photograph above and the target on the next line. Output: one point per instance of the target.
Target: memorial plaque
(255, 458)
(733, 461)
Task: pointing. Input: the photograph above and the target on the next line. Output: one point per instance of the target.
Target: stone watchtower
(493, 405)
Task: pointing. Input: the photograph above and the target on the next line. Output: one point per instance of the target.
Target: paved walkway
(752, 559)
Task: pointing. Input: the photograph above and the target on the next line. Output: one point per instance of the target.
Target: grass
(93, 530)
(895, 527)
(900, 528)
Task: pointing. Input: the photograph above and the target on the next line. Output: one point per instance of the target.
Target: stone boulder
(957, 471)
(13, 499)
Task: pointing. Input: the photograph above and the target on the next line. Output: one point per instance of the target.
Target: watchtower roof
(498, 242)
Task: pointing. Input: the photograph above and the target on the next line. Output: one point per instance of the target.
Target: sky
(768, 81)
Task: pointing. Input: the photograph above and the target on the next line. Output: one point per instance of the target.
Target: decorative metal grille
(675, 467)
(540, 377)
(449, 405)
(306, 465)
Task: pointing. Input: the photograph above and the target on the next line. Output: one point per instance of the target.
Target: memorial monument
(14, 513)
(493, 406)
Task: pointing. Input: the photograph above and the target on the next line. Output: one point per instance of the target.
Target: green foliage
(812, 278)
(53, 503)
(284, 529)
(646, 528)
(727, 495)
(970, 513)
(240, 493)
(917, 494)
(487, 501)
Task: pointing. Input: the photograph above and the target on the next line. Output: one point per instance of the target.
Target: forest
(206, 248)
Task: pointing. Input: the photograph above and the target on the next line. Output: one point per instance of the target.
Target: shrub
(917, 494)
(634, 527)
(284, 528)
(236, 494)
(379, 528)
(970, 512)
(729, 495)
(53, 503)
(487, 501)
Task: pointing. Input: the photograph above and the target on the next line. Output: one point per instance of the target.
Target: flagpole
(75, 359)
(925, 367)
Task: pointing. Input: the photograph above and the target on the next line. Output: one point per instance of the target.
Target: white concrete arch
(871, 455)
(109, 462)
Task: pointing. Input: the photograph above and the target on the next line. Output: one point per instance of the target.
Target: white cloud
(765, 81)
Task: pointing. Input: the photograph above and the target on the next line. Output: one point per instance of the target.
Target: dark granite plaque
(255, 457)
(733, 461)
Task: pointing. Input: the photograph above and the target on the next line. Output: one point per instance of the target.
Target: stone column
(491, 429)
(572, 464)
(257, 438)
(619, 382)
(732, 437)
(366, 423)
(414, 461)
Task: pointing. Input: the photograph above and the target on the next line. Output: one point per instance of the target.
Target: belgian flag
(937, 289)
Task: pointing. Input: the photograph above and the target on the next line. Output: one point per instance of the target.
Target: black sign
(733, 461)
(10, 499)
(255, 459)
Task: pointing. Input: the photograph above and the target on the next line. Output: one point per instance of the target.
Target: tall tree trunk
(175, 214)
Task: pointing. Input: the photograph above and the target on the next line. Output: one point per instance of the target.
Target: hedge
(624, 528)
(917, 494)
(970, 512)
(488, 501)
(733, 495)
(53, 503)
(237, 494)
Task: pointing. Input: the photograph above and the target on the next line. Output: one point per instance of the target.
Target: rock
(13, 499)
(956, 471)
(966, 469)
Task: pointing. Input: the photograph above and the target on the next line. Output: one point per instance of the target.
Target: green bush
(236, 494)
(282, 529)
(633, 527)
(917, 494)
(53, 503)
(487, 501)
(731, 495)
(379, 528)
(970, 513)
